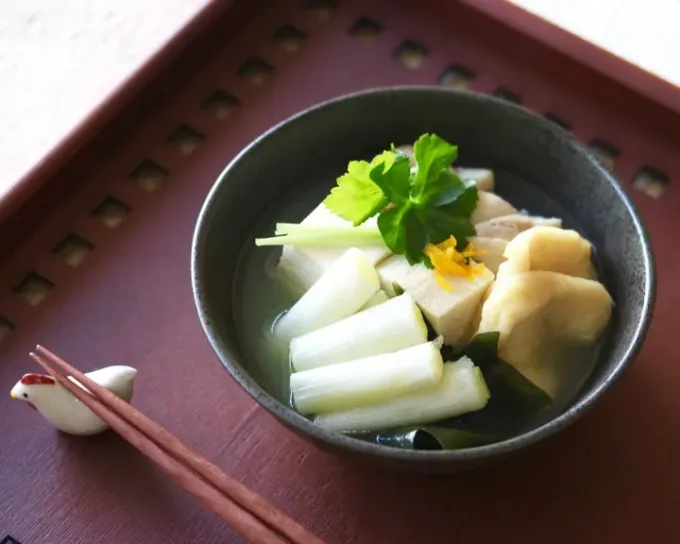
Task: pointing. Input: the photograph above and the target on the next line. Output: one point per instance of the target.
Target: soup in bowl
(425, 277)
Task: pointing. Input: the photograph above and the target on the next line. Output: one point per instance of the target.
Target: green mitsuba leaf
(403, 232)
(356, 197)
(393, 180)
(462, 202)
(432, 154)
(414, 209)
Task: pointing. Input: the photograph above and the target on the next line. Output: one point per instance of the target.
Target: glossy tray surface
(104, 279)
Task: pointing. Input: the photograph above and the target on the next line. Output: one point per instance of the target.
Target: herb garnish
(416, 207)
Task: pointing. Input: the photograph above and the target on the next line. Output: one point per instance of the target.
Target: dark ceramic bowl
(538, 166)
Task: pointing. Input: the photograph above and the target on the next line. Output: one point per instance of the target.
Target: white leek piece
(340, 291)
(301, 266)
(378, 298)
(367, 381)
(461, 390)
(386, 328)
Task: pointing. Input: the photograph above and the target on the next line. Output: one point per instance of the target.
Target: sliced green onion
(340, 291)
(301, 228)
(322, 236)
(462, 389)
(367, 381)
(300, 266)
(386, 328)
(287, 228)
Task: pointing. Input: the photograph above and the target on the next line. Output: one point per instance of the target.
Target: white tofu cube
(391, 270)
(449, 312)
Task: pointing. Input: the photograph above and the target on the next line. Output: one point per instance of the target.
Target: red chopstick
(247, 512)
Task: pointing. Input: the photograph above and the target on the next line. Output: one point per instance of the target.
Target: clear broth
(261, 298)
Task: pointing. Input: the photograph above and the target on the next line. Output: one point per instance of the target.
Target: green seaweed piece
(432, 437)
(483, 350)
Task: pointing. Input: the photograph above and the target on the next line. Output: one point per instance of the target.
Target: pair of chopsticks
(247, 512)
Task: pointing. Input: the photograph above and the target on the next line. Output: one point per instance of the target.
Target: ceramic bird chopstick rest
(62, 409)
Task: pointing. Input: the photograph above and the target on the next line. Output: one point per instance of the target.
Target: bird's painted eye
(25, 395)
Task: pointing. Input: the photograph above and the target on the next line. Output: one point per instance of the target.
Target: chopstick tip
(36, 358)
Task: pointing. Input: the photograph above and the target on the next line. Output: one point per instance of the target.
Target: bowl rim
(343, 442)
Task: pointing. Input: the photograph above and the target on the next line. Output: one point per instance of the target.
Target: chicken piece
(538, 221)
(490, 206)
(541, 316)
(484, 179)
(300, 267)
(493, 251)
(449, 312)
(549, 249)
(509, 226)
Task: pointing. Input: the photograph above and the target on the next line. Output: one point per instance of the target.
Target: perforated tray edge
(129, 300)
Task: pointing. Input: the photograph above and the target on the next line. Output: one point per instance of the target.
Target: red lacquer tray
(95, 250)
